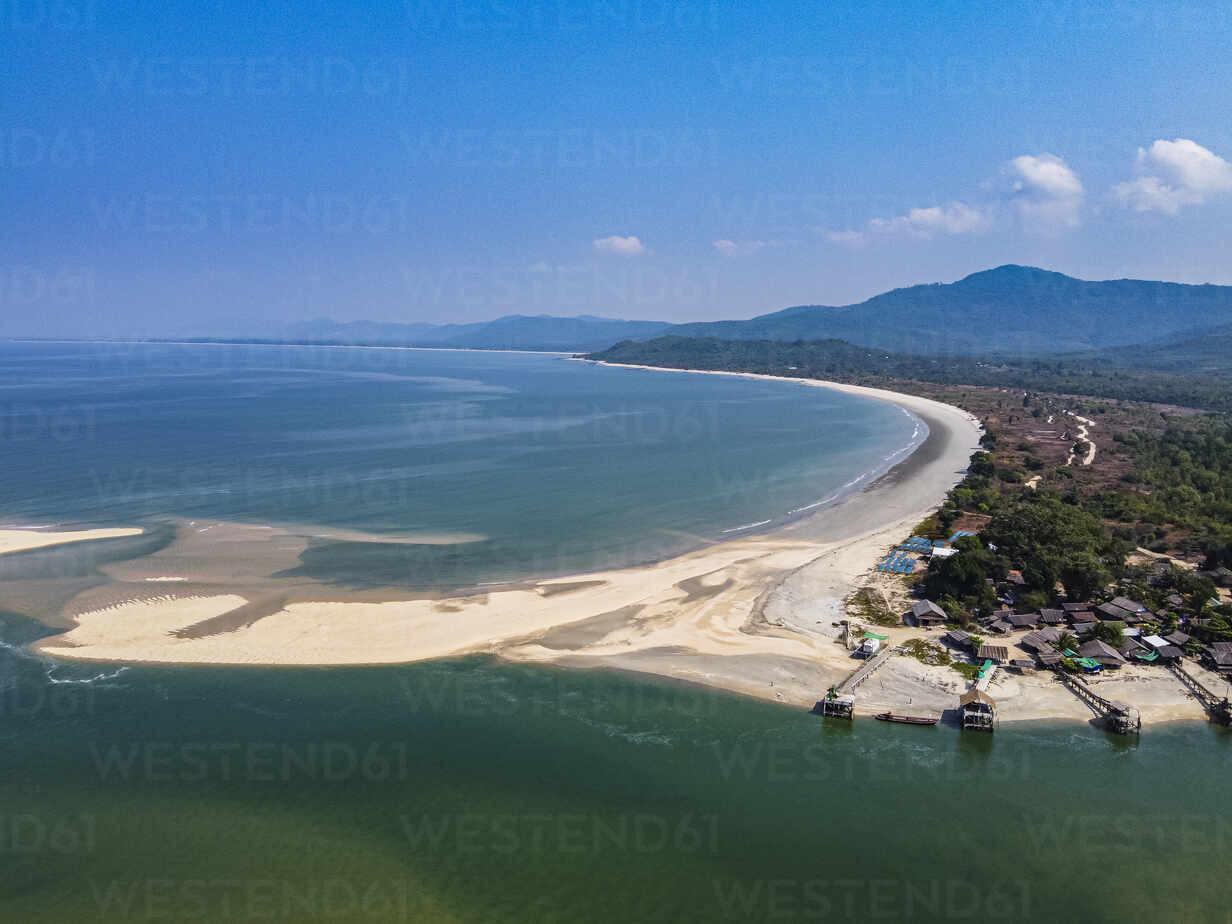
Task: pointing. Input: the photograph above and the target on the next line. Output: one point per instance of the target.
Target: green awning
(1086, 662)
(1147, 656)
(868, 634)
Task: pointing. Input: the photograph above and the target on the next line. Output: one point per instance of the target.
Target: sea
(473, 790)
(546, 465)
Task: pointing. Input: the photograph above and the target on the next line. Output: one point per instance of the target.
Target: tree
(1045, 536)
(1111, 632)
(981, 464)
(1083, 575)
(965, 576)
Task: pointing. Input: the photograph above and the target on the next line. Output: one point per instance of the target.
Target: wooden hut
(1102, 652)
(1123, 718)
(978, 709)
(1052, 617)
(926, 613)
(1219, 656)
(835, 705)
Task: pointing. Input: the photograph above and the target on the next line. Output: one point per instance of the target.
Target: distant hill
(1010, 310)
(1208, 354)
(513, 332)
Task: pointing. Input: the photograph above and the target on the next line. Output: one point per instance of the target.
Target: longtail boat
(905, 719)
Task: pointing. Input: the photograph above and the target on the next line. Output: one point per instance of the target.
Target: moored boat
(906, 719)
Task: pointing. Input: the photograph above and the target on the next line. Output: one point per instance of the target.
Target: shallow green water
(470, 791)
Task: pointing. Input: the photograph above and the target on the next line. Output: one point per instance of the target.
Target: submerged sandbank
(755, 614)
(746, 613)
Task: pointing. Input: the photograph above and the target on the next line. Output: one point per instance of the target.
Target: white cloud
(621, 246)
(1175, 174)
(1151, 194)
(955, 218)
(744, 248)
(1045, 191)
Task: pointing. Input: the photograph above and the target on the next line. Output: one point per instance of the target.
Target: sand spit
(20, 540)
(751, 613)
(756, 614)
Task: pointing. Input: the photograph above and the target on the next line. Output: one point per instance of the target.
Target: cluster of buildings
(1050, 632)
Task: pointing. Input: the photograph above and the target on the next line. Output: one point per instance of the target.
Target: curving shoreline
(752, 614)
(699, 605)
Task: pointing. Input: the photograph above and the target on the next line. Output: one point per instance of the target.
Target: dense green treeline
(1107, 374)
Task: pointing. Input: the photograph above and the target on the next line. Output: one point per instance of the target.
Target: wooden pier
(1218, 708)
(1120, 717)
(864, 671)
(840, 701)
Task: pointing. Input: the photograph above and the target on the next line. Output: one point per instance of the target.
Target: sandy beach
(20, 540)
(756, 614)
(752, 614)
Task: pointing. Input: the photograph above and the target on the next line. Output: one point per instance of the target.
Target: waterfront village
(1078, 643)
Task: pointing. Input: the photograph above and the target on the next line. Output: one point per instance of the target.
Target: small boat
(905, 719)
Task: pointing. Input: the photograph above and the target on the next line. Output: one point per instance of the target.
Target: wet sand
(724, 611)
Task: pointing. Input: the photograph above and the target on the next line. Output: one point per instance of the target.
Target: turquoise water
(557, 466)
(471, 791)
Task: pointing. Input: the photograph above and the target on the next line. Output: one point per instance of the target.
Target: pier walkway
(1216, 707)
(1122, 718)
(864, 671)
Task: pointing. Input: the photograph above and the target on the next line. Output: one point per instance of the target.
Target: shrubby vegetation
(1182, 480)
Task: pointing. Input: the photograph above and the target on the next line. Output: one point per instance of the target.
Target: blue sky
(181, 170)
